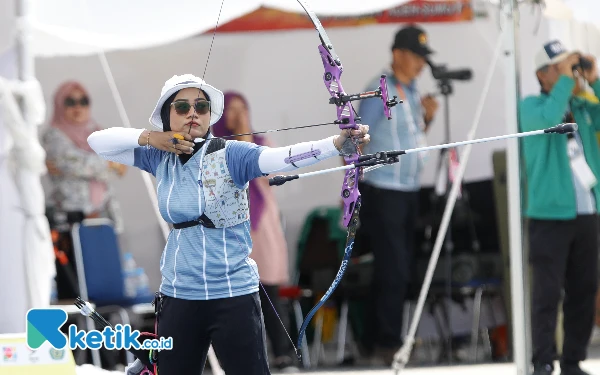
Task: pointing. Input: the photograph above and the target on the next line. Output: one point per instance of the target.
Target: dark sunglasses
(201, 107)
(70, 102)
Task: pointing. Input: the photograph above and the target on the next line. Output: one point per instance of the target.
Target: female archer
(209, 289)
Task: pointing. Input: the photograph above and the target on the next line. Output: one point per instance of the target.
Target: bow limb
(347, 118)
(338, 278)
(346, 115)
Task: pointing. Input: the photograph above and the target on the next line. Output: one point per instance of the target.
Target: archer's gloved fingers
(348, 147)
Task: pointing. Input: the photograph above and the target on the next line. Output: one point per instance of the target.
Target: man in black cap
(390, 194)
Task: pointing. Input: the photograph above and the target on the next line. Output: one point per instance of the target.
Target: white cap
(177, 83)
(551, 53)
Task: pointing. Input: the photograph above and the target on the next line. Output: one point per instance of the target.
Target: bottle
(53, 292)
(129, 268)
(143, 284)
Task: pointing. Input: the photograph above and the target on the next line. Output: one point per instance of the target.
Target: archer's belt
(202, 220)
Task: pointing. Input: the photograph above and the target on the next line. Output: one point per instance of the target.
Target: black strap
(186, 224)
(215, 144)
(202, 220)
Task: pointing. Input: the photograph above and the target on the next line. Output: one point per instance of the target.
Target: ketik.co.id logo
(45, 324)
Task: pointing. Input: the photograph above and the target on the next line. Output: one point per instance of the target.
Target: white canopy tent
(66, 28)
(81, 27)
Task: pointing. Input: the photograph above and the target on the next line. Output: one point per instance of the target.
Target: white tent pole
(125, 121)
(149, 185)
(521, 352)
(25, 58)
(402, 356)
(26, 68)
(26, 72)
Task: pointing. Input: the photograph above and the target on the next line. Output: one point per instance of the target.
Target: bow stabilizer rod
(380, 159)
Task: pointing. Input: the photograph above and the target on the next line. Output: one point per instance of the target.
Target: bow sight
(380, 92)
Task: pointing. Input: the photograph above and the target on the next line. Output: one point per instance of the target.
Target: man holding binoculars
(562, 205)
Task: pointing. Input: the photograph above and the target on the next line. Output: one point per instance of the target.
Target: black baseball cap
(414, 39)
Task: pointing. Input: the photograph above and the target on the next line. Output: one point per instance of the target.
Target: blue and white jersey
(200, 263)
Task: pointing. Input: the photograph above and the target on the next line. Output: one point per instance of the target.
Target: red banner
(417, 11)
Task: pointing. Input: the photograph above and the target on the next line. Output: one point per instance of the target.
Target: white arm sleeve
(289, 158)
(116, 144)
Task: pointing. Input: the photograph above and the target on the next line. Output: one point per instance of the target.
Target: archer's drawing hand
(175, 142)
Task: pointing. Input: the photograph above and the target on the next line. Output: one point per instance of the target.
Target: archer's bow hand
(348, 139)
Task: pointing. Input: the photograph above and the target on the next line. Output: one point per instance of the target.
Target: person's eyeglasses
(201, 107)
(70, 102)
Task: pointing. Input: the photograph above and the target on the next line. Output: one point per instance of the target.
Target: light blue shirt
(200, 263)
(400, 133)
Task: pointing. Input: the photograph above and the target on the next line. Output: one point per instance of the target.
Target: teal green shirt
(550, 192)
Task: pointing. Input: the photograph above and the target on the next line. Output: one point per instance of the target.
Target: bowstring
(208, 58)
(242, 248)
(279, 130)
(213, 38)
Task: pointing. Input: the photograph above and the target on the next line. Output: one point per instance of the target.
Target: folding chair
(481, 291)
(319, 252)
(99, 274)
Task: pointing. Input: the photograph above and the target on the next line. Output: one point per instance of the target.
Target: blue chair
(97, 249)
(100, 273)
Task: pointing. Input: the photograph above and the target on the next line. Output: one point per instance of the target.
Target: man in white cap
(562, 205)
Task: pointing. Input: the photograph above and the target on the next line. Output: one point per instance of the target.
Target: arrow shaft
(480, 140)
(419, 149)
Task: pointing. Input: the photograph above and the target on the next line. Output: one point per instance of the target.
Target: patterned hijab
(77, 133)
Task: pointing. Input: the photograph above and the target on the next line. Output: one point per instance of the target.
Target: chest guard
(225, 205)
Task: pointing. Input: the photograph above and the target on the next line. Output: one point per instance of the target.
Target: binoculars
(584, 64)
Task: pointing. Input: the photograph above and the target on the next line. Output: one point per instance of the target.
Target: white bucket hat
(177, 83)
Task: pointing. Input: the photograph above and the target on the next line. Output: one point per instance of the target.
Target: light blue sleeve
(371, 110)
(242, 161)
(147, 159)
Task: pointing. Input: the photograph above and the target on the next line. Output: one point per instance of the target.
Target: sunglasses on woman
(70, 102)
(182, 108)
